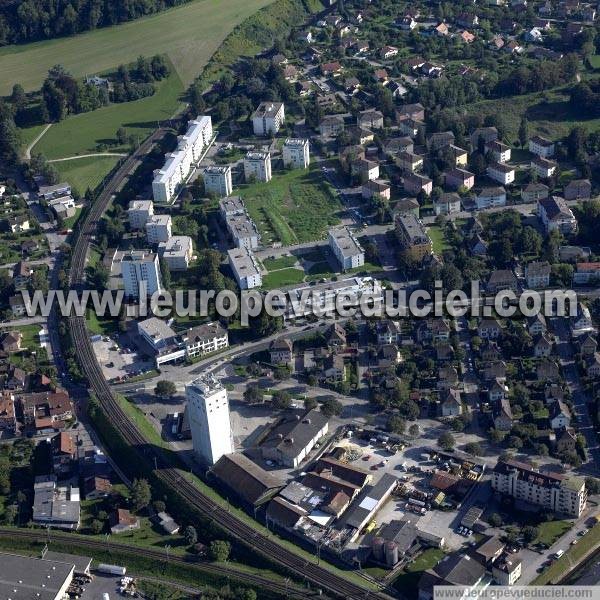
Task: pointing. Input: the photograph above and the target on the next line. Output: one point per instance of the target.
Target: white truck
(111, 569)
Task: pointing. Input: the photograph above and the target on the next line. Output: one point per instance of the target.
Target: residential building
(543, 167)
(331, 125)
(585, 273)
(240, 226)
(8, 419)
(47, 192)
(268, 118)
(459, 178)
(121, 520)
(158, 229)
(374, 187)
(64, 452)
(346, 248)
(208, 409)
(541, 146)
(489, 329)
(204, 339)
(177, 252)
(533, 192)
(537, 274)
(413, 237)
(281, 352)
(560, 415)
(166, 345)
(190, 147)
(556, 215)
(542, 346)
(491, 196)
(21, 275)
(17, 305)
(501, 173)
(18, 224)
(257, 165)
(414, 184)
(459, 156)
(483, 135)
(447, 204)
(555, 492)
(296, 153)
(245, 268)
(503, 416)
(409, 161)
(442, 139)
(507, 570)
(371, 119)
(139, 213)
(450, 403)
(217, 180)
(501, 279)
(455, 569)
(365, 169)
(578, 189)
(140, 269)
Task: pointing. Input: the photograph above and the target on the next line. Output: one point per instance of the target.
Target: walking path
(37, 139)
(120, 154)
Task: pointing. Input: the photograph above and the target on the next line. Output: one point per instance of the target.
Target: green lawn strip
(188, 34)
(100, 325)
(272, 264)
(282, 277)
(192, 574)
(550, 531)
(408, 579)
(438, 239)
(572, 556)
(84, 173)
(294, 207)
(83, 133)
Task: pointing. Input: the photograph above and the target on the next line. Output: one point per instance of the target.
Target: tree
(396, 424)
(253, 394)
(523, 132)
(413, 430)
(446, 441)
(593, 485)
(165, 273)
(190, 534)
(281, 399)
(165, 389)
(159, 506)
(310, 403)
(530, 533)
(97, 526)
(331, 407)
(141, 494)
(495, 520)
(122, 136)
(474, 449)
(219, 550)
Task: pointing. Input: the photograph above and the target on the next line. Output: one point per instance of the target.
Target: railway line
(303, 569)
(290, 590)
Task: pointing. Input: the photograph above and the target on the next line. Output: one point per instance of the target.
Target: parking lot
(118, 363)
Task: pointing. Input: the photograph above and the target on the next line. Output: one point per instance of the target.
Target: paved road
(578, 395)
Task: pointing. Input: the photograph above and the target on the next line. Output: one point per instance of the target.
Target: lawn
(188, 34)
(595, 61)
(438, 239)
(84, 173)
(408, 579)
(282, 277)
(84, 133)
(283, 262)
(550, 531)
(294, 207)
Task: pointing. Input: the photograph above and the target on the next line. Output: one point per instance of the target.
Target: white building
(541, 146)
(166, 344)
(177, 252)
(268, 118)
(139, 212)
(245, 268)
(217, 180)
(140, 267)
(179, 163)
(240, 226)
(501, 173)
(556, 215)
(296, 153)
(555, 492)
(491, 196)
(208, 409)
(205, 339)
(500, 152)
(447, 204)
(257, 165)
(543, 167)
(346, 248)
(158, 229)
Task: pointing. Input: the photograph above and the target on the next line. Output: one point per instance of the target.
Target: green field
(81, 134)
(294, 207)
(272, 264)
(438, 239)
(283, 277)
(84, 173)
(188, 34)
(408, 580)
(550, 531)
(595, 61)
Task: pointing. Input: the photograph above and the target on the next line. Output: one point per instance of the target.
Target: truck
(558, 553)
(111, 569)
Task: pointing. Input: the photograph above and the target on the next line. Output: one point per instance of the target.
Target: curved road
(171, 477)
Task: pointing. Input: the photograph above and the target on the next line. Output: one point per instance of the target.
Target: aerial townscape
(269, 158)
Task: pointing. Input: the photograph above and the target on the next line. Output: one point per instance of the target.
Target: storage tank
(378, 544)
(391, 554)
(111, 569)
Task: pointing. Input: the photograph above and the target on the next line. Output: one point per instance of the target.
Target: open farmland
(188, 34)
(84, 173)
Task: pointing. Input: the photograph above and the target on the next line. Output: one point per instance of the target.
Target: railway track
(302, 568)
(289, 590)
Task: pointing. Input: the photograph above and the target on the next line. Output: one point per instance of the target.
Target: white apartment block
(158, 229)
(268, 118)
(491, 196)
(217, 180)
(296, 153)
(208, 410)
(257, 165)
(346, 248)
(177, 252)
(140, 268)
(240, 226)
(555, 492)
(179, 163)
(501, 173)
(541, 146)
(245, 268)
(556, 215)
(139, 212)
(205, 339)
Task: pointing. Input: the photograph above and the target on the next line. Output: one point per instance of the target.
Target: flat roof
(267, 110)
(345, 241)
(368, 500)
(176, 246)
(243, 262)
(156, 328)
